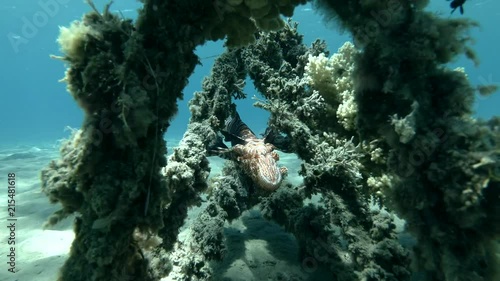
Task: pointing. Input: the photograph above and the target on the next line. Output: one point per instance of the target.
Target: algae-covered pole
(444, 162)
(127, 79)
(109, 172)
(229, 196)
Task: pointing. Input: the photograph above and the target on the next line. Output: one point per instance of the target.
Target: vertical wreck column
(127, 82)
(444, 162)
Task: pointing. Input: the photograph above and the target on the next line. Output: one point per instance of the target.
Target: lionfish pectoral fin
(234, 139)
(268, 135)
(217, 147)
(280, 141)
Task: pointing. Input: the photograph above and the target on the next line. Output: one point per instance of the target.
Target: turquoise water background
(36, 108)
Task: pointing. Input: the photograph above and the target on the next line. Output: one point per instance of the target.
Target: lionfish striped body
(257, 157)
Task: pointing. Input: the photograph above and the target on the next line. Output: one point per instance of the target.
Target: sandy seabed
(38, 253)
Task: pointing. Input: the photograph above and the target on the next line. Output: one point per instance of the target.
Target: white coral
(332, 78)
(319, 73)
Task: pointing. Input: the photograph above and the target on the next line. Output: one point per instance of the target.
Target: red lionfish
(255, 156)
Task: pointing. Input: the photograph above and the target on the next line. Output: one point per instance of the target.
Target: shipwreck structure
(383, 120)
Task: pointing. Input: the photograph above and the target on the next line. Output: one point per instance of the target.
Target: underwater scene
(250, 140)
